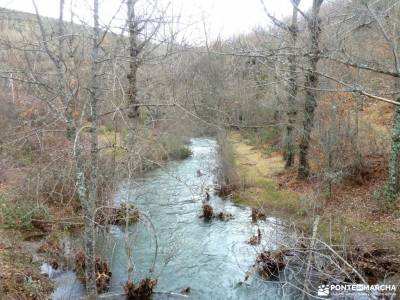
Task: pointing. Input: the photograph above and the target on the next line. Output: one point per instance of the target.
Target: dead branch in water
(304, 263)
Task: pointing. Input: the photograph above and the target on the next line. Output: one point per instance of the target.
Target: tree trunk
(292, 92)
(133, 111)
(90, 261)
(311, 94)
(278, 100)
(394, 163)
(89, 208)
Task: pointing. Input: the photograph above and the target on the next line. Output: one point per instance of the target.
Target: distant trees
(143, 27)
(375, 25)
(294, 57)
(359, 19)
(384, 17)
(134, 51)
(300, 45)
(292, 30)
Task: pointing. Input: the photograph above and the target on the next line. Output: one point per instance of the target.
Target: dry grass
(258, 173)
(351, 214)
(380, 115)
(19, 277)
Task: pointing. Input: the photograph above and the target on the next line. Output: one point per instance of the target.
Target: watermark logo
(379, 289)
(323, 291)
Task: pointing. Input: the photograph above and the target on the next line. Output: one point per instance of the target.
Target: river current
(212, 258)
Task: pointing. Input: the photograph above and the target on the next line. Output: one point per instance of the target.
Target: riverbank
(258, 173)
(350, 216)
(37, 213)
(20, 275)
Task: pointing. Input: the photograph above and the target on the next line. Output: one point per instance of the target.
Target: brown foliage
(208, 213)
(143, 290)
(103, 273)
(225, 190)
(257, 214)
(117, 215)
(269, 263)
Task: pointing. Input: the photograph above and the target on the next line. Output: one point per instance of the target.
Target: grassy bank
(349, 215)
(258, 171)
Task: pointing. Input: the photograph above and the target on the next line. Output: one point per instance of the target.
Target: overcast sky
(224, 18)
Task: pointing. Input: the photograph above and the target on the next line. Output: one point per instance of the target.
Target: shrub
(227, 175)
(385, 197)
(118, 215)
(22, 216)
(262, 136)
(25, 154)
(181, 153)
(347, 146)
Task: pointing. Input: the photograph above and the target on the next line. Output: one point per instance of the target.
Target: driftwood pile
(255, 239)
(371, 264)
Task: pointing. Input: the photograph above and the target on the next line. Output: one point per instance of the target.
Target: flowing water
(211, 258)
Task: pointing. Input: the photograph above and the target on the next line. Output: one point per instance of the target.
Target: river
(211, 258)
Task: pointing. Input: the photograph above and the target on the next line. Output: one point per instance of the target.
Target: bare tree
(291, 87)
(141, 31)
(90, 205)
(378, 19)
(134, 50)
(292, 90)
(314, 28)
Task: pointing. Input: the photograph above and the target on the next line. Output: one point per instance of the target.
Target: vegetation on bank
(349, 215)
(156, 148)
(20, 275)
(22, 215)
(38, 212)
(257, 169)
